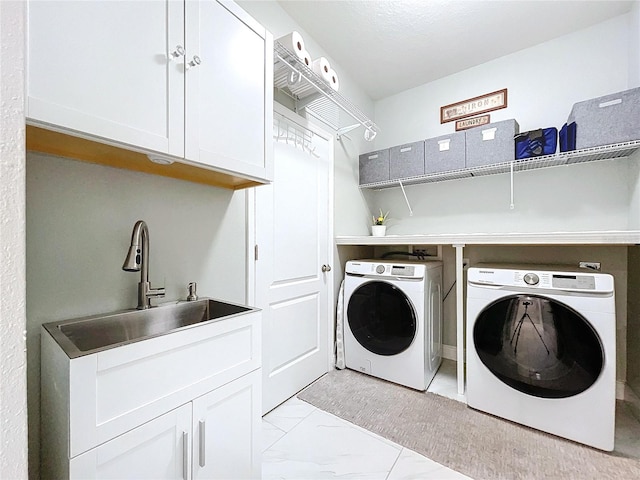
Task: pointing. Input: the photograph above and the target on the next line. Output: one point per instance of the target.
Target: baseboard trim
(621, 390)
(450, 352)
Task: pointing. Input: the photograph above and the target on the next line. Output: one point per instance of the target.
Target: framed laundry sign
(474, 106)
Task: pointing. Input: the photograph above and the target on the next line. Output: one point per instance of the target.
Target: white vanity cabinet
(192, 80)
(182, 405)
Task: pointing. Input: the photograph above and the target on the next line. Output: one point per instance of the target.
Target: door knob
(326, 268)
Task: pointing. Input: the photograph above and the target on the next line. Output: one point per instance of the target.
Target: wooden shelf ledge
(69, 146)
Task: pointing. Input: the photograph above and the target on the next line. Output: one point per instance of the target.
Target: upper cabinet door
(229, 89)
(107, 70)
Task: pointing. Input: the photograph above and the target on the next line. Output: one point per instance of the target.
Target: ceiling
(388, 46)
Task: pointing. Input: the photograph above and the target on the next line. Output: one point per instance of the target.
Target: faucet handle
(156, 292)
(192, 292)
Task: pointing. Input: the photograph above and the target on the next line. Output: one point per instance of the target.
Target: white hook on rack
(294, 77)
(405, 198)
(369, 135)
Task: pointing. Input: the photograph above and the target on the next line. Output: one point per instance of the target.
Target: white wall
(13, 385)
(633, 317)
(79, 222)
(543, 83)
(634, 45)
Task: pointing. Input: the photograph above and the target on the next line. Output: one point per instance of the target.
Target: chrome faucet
(138, 261)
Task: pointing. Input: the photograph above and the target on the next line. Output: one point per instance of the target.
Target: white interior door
(293, 231)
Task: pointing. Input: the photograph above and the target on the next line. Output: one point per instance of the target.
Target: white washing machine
(541, 349)
(393, 320)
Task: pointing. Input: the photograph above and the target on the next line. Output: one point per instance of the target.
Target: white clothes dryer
(393, 320)
(541, 349)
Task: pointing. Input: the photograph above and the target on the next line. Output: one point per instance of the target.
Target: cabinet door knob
(195, 61)
(178, 52)
(326, 268)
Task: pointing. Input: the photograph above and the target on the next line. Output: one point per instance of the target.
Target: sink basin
(87, 335)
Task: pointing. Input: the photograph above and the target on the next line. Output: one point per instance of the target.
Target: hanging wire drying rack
(316, 97)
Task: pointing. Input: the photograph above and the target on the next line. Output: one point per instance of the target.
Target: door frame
(251, 230)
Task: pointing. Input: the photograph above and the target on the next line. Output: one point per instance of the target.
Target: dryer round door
(381, 318)
(538, 346)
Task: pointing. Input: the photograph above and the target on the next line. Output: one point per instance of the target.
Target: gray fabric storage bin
(490, 144)
(444, 153)
(406, 160)
(605, 120)
(374, 166)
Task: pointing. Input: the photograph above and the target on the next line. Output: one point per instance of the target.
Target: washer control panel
(542, 279)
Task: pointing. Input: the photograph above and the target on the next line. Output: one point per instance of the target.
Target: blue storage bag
(567, 137)
(536, 143)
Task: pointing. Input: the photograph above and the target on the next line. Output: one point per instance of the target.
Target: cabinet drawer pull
(202, 432)
(185, 455)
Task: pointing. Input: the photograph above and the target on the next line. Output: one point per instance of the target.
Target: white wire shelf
(315, 96)
(605, 152)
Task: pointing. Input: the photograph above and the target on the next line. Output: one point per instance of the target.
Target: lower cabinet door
(159, 449)
(226, 430)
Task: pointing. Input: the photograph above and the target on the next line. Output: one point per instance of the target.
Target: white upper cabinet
(229, 91)
(101, 68)
(188, 79)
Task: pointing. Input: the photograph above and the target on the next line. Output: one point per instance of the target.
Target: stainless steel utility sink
(82, 336)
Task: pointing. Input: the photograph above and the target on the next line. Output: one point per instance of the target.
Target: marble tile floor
(301, 441)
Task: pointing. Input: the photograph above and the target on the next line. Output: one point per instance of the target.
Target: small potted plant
(379, 229)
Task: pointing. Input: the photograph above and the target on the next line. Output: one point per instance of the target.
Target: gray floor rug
(476, 444)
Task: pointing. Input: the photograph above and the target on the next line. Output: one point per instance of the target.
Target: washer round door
(381, 318)
(538, 346)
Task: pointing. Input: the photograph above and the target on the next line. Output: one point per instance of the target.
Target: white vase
(378, 230)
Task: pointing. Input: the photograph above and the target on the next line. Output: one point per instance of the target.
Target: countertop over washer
(612, 237)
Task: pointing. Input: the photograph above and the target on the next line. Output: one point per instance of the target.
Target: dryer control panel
(382, 268)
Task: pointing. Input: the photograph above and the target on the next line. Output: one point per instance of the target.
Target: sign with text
(474, 106)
